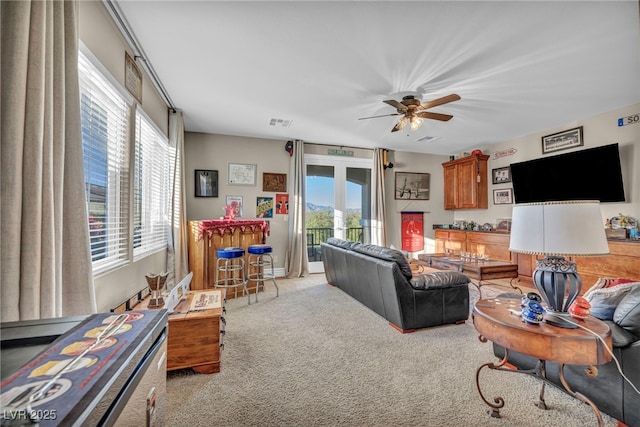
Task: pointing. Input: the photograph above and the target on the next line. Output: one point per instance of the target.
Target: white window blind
(152, 188)
(104, 119)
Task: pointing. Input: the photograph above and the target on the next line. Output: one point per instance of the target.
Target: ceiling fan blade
(396, 104)
(383, 115)
(440, 101)
(435, 116)
(400, 125)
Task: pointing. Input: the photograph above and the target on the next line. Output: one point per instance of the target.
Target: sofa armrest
(440, 279)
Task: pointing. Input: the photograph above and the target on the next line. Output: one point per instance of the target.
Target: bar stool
(260, 258)
(231, 263)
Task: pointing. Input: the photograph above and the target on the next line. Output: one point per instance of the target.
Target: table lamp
(558, 229)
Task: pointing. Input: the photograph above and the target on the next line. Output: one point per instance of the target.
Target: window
(112, 181)
(152, 188)
(104, 116)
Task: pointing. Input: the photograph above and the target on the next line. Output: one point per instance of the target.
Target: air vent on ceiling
(280, 122)
(426, 138)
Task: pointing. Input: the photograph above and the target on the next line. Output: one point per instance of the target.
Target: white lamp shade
(569, 228)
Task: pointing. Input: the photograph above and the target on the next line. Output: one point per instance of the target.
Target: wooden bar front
(207, 236)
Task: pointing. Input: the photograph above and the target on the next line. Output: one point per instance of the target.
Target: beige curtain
(177, 256)
(296, 262)
(45, 268)
(378, 214)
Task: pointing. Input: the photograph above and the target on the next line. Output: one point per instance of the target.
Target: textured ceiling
(520, 67)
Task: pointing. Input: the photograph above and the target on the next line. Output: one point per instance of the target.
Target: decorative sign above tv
(591, 174)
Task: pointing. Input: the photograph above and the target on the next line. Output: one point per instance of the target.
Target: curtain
(45, 263)
(296, 262)
(378, 214)
(177, 256)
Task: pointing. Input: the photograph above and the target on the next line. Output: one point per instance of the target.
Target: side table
(495, 322)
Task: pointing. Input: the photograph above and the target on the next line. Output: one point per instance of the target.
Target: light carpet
(314, 356)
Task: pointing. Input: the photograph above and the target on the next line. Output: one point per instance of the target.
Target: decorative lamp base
(559, 284)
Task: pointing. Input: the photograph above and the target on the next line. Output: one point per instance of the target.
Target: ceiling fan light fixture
(400, 125)
(415, 123)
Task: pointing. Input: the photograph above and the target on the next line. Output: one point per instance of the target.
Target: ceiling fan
(413, 111)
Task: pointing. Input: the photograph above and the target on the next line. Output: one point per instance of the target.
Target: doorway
(338, 202)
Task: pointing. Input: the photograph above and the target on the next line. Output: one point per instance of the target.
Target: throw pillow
(604, 301)
(620, 281)
(627, 314)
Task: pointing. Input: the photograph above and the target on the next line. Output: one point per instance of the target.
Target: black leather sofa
(381, 279)
(608, 390)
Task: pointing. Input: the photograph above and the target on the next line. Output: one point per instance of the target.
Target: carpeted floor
(316, 357)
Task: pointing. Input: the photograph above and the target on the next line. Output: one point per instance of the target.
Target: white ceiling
(520, 67)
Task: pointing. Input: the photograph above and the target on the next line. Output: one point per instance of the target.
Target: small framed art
(501, 175)
(242, 173)
(206, 183)
(274, 182)
(503, 196)
(562, 140)
(264, 207)
(237, 200)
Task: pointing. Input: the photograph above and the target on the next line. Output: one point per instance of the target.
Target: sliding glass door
(338, 202)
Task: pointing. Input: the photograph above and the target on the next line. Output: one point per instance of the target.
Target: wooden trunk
(195, 338)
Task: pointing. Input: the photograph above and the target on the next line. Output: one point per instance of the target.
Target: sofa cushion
(345, 244)
(605, 300)
(627, 314)
(440, 279)
(386, 254)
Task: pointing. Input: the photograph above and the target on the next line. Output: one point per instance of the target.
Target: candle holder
(156, 283)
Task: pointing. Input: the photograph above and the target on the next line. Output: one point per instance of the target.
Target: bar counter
(207, 236)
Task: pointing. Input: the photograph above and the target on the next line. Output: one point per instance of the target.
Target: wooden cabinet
(450, 241)
(495, 245)
(465, 183)
(623, 261)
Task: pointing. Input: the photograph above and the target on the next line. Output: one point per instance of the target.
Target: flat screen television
(591, 174)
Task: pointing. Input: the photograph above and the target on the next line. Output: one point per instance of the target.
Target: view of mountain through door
(338, 203)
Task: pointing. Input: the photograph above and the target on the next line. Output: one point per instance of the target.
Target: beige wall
(215, 152)
(103, 39)
(205, 151)
(433, 209)
(599, 130)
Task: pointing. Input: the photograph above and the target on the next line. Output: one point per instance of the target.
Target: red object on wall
(412, 231)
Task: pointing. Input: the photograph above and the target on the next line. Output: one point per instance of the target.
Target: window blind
(152, 188)
(104, 118)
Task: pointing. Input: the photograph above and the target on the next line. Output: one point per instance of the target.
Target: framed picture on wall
(412, 186)
(242, 173)
(206, 183)
(503, 196)
(264, 207)
(562, 140)
(501, 175)
(238, 202)
(274, 181)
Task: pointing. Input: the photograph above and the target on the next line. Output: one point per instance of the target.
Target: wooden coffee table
(478, 270)
(495, 322)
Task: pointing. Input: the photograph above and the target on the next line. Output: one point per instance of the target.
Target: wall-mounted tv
(591, 174)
